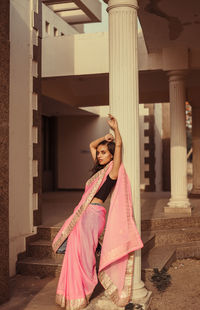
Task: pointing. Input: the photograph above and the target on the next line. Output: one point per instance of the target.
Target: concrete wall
(151, 131)
(20, 130)
(80, 28)
(88, 54)
(147, 61)
(143, 139)
(74, 136)
(166, 147)
(75, 55)
(158, 145)
(52, 22)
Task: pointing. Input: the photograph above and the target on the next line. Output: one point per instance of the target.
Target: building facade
(57, 86)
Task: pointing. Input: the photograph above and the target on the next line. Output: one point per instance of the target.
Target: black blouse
(105, 189)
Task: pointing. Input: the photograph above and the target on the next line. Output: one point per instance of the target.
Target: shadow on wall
(166, 165)
(74, 159)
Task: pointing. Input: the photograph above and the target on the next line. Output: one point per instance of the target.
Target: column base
(177, 210)
(144, 302)
(141, 295)
(178, 206)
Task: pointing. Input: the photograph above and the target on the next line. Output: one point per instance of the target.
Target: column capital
(177, 75)
(112, 4)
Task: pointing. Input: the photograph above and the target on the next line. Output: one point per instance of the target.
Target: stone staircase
(174, 238)
(39, 258)
(164, 240)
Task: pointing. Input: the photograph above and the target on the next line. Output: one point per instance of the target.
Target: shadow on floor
(31, 293)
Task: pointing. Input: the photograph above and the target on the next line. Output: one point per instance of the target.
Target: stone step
(47, 233)
(42, 261)
(188, 250)
(177, 236)
(148, 239)
(158, 257)
(163, 256)
(46, 267)
(170, 223)
(43, 248)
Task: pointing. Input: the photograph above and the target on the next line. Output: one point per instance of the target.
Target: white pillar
(124, 105)
(179, 202)
(196, 149)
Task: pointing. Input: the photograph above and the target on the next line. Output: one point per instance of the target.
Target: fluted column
(124, 105)
(179, 198)
(196, 149)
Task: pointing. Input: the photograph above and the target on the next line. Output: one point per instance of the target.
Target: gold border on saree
(82, 208)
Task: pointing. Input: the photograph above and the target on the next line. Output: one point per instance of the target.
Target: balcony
(76, 11)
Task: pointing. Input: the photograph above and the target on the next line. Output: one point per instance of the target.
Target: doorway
(49, 147)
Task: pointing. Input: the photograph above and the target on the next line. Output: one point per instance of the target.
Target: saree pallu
(83, 229)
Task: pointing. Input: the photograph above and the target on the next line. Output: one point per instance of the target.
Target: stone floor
(33, 293)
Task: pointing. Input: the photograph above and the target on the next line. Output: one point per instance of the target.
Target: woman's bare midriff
(97, 200)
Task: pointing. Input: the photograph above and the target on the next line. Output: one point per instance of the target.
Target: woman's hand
(112, 122)
(109, 137)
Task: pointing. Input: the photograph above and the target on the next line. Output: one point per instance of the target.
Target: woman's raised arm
(118, 147)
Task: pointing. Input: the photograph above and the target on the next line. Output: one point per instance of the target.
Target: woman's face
(103, 154)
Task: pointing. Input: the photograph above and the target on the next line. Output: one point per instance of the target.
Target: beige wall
(58, 56)
(74, 135)
(147, 61)
(20, 131)
(158, 145)
(74, 159)
(157, 132)
(143, 153)
(88, 54)
(80, 28)
(75, 54)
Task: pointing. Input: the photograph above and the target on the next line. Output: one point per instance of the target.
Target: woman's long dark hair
(111, 149)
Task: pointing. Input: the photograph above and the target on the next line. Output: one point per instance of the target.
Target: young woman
(84, 229)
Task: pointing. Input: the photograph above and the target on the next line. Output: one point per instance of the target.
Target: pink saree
(83, 229)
